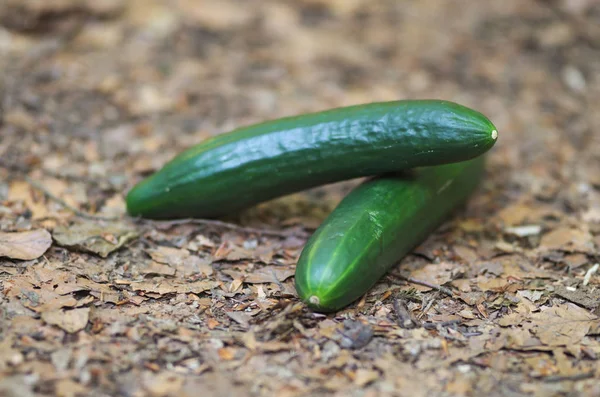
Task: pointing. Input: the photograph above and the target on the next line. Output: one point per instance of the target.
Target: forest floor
(96, 95)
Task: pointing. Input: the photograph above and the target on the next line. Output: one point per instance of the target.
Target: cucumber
(253, 164)
(374, 226)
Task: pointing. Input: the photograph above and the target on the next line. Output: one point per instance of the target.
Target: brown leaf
(181, 260)
(511, 319)
(575, 260)
(94, 238)
(567, 239)
(25, 245)
(267, 274)
(227, 353)
(459, 387)
(8, 355)
(586, 296)
(82, 284)
(169, 255)
(172, 286)
(231, 252)
(69, 320)
(274, 346)
(163, 384)
(492, 284)
(466, 253)
(22, 191)
(69, 388)
(434, 273)
(462, 284)
(241, 318)
(520, 213)
(363, 377)
(158, 268)
(57, 303)
(562, 325)
(211, 323)
(520, 267)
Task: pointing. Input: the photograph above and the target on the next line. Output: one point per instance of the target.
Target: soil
(95, 95)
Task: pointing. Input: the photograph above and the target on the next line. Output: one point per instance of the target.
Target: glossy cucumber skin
(253, 164)
(376, 225)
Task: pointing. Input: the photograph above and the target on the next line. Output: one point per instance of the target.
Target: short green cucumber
(253, 164)
(374, 226)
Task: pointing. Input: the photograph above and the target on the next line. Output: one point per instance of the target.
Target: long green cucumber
(374, 226)
(253, 164)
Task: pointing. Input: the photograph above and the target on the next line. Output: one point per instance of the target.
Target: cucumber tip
(314, 300)
(494, 134)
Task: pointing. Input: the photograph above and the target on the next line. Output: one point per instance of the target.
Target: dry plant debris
(503, 300)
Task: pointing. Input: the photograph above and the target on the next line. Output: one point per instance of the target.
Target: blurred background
(111, 89)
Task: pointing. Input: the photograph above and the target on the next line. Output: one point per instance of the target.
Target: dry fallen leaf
(181, 260)
(492, 284)
(22, 191)
(94, 238)
(434, 273)
(169, 255)
(585, 296)
(363, 377)
(69, 320)
(227, 353)
(69, 388)
(569, 240)
(267, 274)
(158, 268)
(241, 318)
(25, 245)
(163, 287)
(163, 384)
(467, 254)
(563, 325)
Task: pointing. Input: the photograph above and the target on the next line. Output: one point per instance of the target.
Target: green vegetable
(374, 226)
(244, 167)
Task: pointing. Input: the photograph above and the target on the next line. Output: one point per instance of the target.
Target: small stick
(428, 306)
(217, 223)
(206, 222)
(281, 288)
(404, 319)
(425, 284)
(562, 378)
(37, 185)
(588, 275)
(442, 324)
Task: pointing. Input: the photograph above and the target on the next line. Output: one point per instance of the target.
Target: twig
(404, 319)
(428, 306)
(562, 378)
(13, 167)
(217, 223)
(21, 169)
(471, 334)
(436, 287)
(441, 325)
(588, 275)
(281, 288)
(37, 185)
(206, 222)
(36, 56)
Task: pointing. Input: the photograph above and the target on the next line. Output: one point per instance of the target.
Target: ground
(96, 95)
